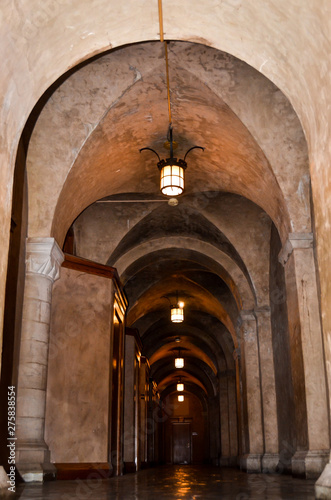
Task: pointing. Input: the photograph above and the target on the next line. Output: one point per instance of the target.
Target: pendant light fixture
(179, 361)
(180, 398)
(177, 314)
(176, 310)
(172, 171)
(180, 385)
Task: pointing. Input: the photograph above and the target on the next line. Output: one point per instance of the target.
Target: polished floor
(175, 483)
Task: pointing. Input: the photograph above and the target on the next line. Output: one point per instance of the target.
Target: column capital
(295, 241)
(44, 257)
(247, 315)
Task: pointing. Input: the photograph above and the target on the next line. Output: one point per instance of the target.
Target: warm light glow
(172, 180)
(180, 387)
(177, 314)
(179, 362)
(181, 305)
(180, 398)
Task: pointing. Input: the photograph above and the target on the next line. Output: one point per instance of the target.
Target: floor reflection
(175, 483)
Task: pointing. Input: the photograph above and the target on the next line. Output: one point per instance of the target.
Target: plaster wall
(78, 368)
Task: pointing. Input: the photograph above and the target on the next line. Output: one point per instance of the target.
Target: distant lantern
(179, 361)
(180, 398)
(180, 386)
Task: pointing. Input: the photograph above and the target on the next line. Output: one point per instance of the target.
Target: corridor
(165, 260)
(175, 483)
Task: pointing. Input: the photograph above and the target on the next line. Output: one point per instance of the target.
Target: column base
(33, 462)
(323, 484)
(3, 480)
(36, 472)
(228, 461)
(270, 463)
(299, 464)
(251, 462)
(315, 462)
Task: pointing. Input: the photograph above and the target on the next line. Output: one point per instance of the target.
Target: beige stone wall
(34, 34)
(287, 41)
(78, 371)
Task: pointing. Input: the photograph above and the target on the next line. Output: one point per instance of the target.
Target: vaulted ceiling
(212, 249)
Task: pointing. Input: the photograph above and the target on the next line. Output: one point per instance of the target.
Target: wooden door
(181, 443)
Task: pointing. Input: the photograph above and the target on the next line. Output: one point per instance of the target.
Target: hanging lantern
(180, 398)
(172, 171)
(180, 386)
(177, 311)
(177, 314)
(172, 181)
(179, 361)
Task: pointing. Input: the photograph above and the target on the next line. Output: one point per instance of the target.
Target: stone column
(233, 421)
(250, 359)
(224, 418)
(129, 447)
(43, 262)
(269, 405)
(297, 256)
(214, 425)
(143, 393)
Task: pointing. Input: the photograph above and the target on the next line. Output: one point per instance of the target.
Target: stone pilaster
(143, 392)
(228, 425)
(298, 254)
(249, 347)
(129, 406)
(214, 427)
(43, 262)
(233, 422)
(224, 418)
(270, 458)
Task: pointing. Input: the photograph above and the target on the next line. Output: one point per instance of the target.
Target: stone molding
(295, 241)
(44, 257)
(315, 462)
(3, 480)
(323, 484)
(251, 463)
(270, 463)
(247, 315)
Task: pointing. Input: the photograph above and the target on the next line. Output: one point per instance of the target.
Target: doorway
(181, 443)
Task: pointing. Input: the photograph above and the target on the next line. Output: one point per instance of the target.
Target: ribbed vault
(212, 250)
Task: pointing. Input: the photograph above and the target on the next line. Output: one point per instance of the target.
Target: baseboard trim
(72, 471)
(129, 467)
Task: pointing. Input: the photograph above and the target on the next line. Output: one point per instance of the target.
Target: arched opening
(217, 250)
